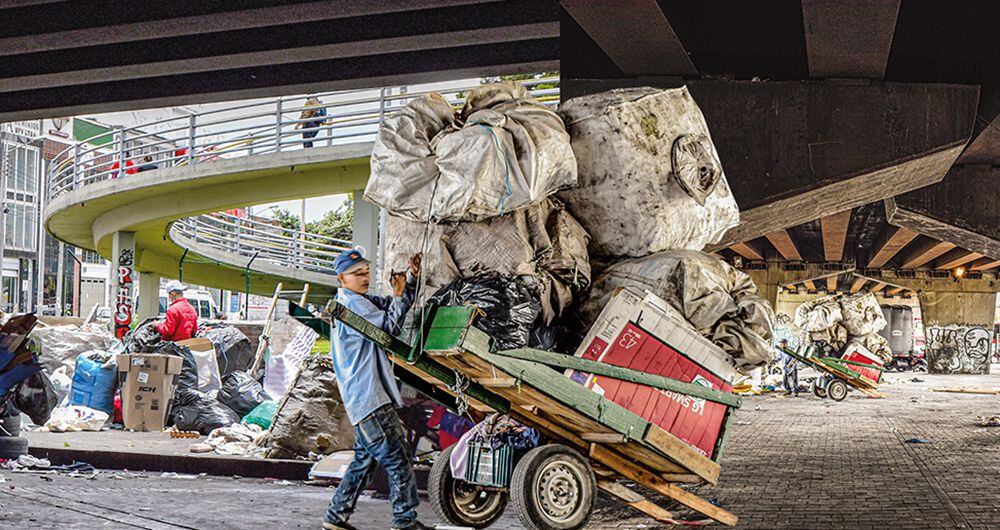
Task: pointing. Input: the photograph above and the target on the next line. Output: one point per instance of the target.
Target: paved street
(791, 463)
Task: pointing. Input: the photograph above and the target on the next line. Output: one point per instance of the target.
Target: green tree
(285, 219)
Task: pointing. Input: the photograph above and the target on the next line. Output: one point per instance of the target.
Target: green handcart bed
(837, 369)
(531, 387)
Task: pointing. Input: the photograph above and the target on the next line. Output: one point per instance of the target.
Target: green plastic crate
(488, 466)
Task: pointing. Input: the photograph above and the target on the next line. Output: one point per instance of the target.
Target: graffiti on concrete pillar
(124, 298)
(958, 349)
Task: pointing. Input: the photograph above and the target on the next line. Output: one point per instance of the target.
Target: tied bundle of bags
(719, 301)
(472, 190)
(840, 320)
(649, 177)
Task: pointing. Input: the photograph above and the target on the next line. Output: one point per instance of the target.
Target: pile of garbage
(512, 204)
(840, 320)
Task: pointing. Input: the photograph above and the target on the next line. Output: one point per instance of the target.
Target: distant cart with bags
(589, 441)
(855, 367)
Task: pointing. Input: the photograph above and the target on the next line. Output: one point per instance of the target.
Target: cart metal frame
(839, 370)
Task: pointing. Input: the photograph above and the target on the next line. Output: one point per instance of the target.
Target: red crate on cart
(859, 354)
(638, 330)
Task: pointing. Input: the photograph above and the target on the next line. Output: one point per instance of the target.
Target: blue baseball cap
(348, 260)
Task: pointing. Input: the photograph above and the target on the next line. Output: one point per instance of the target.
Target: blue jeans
(791, 382)
(379, 439)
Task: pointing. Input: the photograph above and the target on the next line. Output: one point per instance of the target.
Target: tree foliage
(337, 223)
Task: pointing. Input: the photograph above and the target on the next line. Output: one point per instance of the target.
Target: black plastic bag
(241, 393)
(186, 381)
(197, 411)
(233, 349)
(554, 338)
(144, 338)
(509, 304)
(36, 398)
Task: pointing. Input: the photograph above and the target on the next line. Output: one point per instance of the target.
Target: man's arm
(168, 327)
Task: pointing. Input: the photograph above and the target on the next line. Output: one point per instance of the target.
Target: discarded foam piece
(649, 177)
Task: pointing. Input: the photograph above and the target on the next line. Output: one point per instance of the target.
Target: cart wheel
(553, 488)
(459, 502)
(818, 389)
(837, 390)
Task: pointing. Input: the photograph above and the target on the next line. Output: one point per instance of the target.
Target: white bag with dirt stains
(649, 177)
(818, 315)
(862, 314)
(505, 152)
(719, 301)
(76, 418)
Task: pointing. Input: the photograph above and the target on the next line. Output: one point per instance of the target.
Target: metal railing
(260, 241)
(258, 127)
(246, 129)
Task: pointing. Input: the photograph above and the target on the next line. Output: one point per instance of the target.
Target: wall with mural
(958, 349)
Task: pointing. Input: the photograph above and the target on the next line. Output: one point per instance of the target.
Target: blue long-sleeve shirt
(363, 370)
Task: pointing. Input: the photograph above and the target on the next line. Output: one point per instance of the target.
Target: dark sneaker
(338, 526)
(417, 525)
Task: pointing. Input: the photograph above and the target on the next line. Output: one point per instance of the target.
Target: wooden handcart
(837, 375)
(594, 442)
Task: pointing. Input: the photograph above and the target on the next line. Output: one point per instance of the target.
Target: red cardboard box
(638, 330)
(859, 354)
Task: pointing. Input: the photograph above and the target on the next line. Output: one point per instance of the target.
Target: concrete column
(148, 303)
(768, 281)
(959, 330)
(365, 232)
(123, 281)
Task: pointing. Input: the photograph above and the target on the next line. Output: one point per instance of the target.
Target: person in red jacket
(182, 319)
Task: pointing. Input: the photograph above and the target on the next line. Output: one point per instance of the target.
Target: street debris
(916, 441)
(989, 421)
(75, 418)
(980, 391)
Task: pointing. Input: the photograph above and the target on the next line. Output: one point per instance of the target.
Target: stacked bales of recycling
(472, 191)
(507, 187)
(840, 320)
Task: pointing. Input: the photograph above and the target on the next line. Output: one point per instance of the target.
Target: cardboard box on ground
(147, 389)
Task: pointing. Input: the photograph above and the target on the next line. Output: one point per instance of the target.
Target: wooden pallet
(619, 443)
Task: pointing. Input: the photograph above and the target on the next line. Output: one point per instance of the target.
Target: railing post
(76, 165)
(239, 234)
(190, 152)
(277, 128)
(121, 153)
(381, 105)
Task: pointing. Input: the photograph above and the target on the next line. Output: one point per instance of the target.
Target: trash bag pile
(509, 304)
(839, 320)
(627, 178)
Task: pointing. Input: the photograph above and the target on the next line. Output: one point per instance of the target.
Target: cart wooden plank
(636, 501)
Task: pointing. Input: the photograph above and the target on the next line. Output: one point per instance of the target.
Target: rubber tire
(12, 447)
(522, 491)
(11, 426)
(818, 389)
(837, 390)
(439, 491)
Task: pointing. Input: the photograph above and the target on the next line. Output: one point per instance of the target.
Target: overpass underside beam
(798, 151)
(962, 209)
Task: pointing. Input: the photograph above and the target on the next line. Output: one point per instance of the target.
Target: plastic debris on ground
(75, 418)
(649, 174)
(201, 412)
(237, 439)
(503, 152)
(311, 417)
(989, 421)
(719, 301)
(508, 304)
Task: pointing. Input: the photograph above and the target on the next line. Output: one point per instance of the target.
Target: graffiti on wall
(124, 299)
(957, 349)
